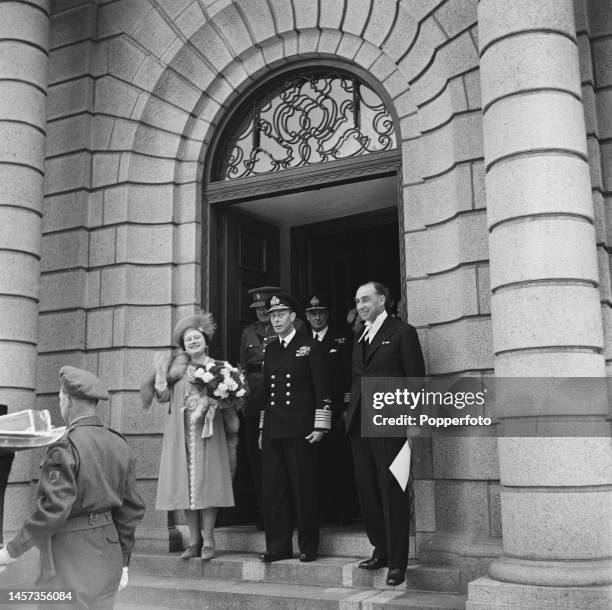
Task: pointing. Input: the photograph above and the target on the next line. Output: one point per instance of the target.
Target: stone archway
(424, 55)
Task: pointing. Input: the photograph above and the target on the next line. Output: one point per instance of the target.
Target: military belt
(86, 522)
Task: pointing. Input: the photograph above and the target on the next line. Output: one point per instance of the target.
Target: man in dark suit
(298, 412)
(387, 347)
(338, 491)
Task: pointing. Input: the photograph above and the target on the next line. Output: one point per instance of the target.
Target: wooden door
(336, 256)
(244, 254)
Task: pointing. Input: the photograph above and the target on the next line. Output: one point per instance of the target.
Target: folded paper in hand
(400, 467)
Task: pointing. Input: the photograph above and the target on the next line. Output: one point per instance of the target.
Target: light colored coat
(194, 473)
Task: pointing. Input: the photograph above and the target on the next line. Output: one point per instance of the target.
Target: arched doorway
(303, 192)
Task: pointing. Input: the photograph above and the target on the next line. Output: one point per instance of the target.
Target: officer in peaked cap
(296, 414)
(338, 491)
(87, 506)
(253, 343)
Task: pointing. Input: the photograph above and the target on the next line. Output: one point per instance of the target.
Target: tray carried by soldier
(27, 430)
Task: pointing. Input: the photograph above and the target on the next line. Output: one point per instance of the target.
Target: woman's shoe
(193, 550)
(208, 552)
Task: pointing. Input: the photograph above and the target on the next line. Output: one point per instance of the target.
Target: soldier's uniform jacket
(88, 472)
(255, 337)
(297, 381)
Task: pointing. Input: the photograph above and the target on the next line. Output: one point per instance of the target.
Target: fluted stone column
(556, 492)
(24, 42)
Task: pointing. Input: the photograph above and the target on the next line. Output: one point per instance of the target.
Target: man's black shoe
(396, 577)
(374, 563)
(305, 557)
(270, 556)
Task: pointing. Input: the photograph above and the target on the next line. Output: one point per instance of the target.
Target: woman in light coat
(199, 443)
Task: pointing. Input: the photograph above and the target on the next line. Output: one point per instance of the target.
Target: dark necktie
(365, 343)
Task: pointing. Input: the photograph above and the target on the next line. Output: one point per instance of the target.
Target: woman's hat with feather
(203, 321)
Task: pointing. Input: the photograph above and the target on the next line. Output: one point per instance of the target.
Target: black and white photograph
(306, 304)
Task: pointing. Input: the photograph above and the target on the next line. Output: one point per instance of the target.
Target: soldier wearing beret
(296, 414)
(87, 506)
(255, 337)
(339, 495)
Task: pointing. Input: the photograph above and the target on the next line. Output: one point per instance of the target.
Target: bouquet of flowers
(218, 386)
(221, 381)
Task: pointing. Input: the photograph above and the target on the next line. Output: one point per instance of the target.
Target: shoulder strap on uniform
(75, 453)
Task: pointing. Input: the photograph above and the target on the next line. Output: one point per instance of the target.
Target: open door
(336, 256)
(244, 254)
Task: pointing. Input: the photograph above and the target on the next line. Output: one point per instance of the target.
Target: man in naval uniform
(255, 337)
(87, 506)
(297, 413)
(339, 495)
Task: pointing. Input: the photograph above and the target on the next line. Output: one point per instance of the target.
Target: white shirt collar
(288, 338)
(371, 328)
(321, 333)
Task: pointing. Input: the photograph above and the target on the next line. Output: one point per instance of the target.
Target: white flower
(221, 391)
(209, 365)
(240, 393)
(231, 384)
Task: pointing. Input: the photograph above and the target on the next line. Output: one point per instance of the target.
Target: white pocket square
(386, 343)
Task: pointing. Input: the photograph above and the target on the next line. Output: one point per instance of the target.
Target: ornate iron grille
(306, 119)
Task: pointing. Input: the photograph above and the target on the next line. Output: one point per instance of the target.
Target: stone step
(131, 606)
(224, 594)
(326, 571)
(485, 593)
(341, 541)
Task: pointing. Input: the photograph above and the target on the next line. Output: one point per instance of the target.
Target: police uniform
(336, 477)
(87, 506)
(255, 337)
(297, 383)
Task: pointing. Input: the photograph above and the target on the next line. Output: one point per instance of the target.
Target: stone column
(24, 42)
(556, 492)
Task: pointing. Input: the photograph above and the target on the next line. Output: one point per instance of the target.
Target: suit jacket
(297, 381)
(394, 352)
